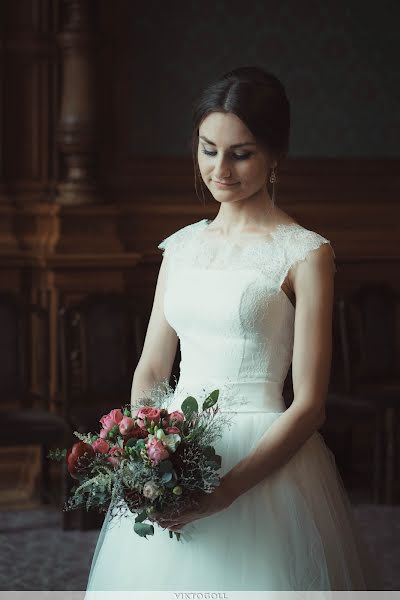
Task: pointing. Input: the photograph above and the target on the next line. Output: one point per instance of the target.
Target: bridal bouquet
(146, 459)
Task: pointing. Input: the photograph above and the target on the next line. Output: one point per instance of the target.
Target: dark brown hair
(258, 98)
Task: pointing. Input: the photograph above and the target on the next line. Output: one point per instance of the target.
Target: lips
(224, 183)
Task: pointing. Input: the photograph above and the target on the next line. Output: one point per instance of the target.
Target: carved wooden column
(6, 210)
(76, 130)
(2, 150)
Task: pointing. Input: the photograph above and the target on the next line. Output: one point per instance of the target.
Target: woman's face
(228, 154)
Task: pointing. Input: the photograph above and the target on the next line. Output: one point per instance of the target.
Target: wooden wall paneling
(10, 278)
(354, 202)
(4, 229)
(23, 135)
(90, 229)
(27, 106)
(30, 52)
(66, 279)
(18, 469)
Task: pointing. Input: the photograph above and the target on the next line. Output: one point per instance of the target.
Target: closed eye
(235, 156)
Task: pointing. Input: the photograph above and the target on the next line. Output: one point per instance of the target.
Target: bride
(246, 294)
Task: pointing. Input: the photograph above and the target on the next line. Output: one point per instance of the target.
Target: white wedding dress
(295, 529)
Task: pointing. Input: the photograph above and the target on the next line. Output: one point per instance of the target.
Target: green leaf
(209, 451)
(218, 459)
(211, 399)
(57, 454)
(143, 529)
(165, 466)
(214, 465)
(130, 442)
(189, 406)
(141, 516)
(172, 483)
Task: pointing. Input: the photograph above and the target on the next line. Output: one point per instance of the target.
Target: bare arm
(160, 344)
(313, 283)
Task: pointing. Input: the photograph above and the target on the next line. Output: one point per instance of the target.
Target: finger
(167, 523)
(169, 519)
(176, 527)
(172, 524)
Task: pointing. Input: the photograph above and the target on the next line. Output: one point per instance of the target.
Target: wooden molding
(37, 227)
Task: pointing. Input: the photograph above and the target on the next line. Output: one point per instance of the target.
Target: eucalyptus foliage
(172, 485)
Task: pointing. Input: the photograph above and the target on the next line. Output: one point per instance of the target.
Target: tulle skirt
(294, 530)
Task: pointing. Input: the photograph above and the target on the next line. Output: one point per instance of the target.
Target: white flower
(151, 490)
(171, 441)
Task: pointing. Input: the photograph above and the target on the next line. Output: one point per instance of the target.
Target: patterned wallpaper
(338, 61)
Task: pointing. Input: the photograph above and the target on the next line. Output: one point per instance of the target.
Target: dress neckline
(256, 242)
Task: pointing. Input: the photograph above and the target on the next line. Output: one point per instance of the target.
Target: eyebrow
(232, 146)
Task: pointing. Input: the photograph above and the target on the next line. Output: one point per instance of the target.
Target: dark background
(95, 170)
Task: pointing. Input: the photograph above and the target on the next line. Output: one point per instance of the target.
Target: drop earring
(273, 179)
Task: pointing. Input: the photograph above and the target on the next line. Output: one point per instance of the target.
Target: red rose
(172, 430)
(136, 433)
(78, 458)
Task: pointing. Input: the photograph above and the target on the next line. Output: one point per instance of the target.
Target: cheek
(203, 160)
(204, 164)
(251, 174)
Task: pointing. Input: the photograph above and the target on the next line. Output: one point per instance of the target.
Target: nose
(221, 168)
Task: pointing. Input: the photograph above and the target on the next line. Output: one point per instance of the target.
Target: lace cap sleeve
(301, 243)
(174, 241)
(168, 242)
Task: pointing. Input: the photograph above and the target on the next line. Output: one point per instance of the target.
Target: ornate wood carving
(76, 130)
(38, 227)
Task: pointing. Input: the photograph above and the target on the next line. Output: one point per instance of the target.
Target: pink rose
(101, 445)
(177, 415)
(156, 450)
(126, 424)
(151, 414)
(115, 456)
(172, 430)
(112, 418)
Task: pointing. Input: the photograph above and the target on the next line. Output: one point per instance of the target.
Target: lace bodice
(225, 301)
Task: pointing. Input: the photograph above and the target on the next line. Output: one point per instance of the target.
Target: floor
(36, 554)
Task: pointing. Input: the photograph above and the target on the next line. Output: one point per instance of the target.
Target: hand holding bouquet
(156, 464)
